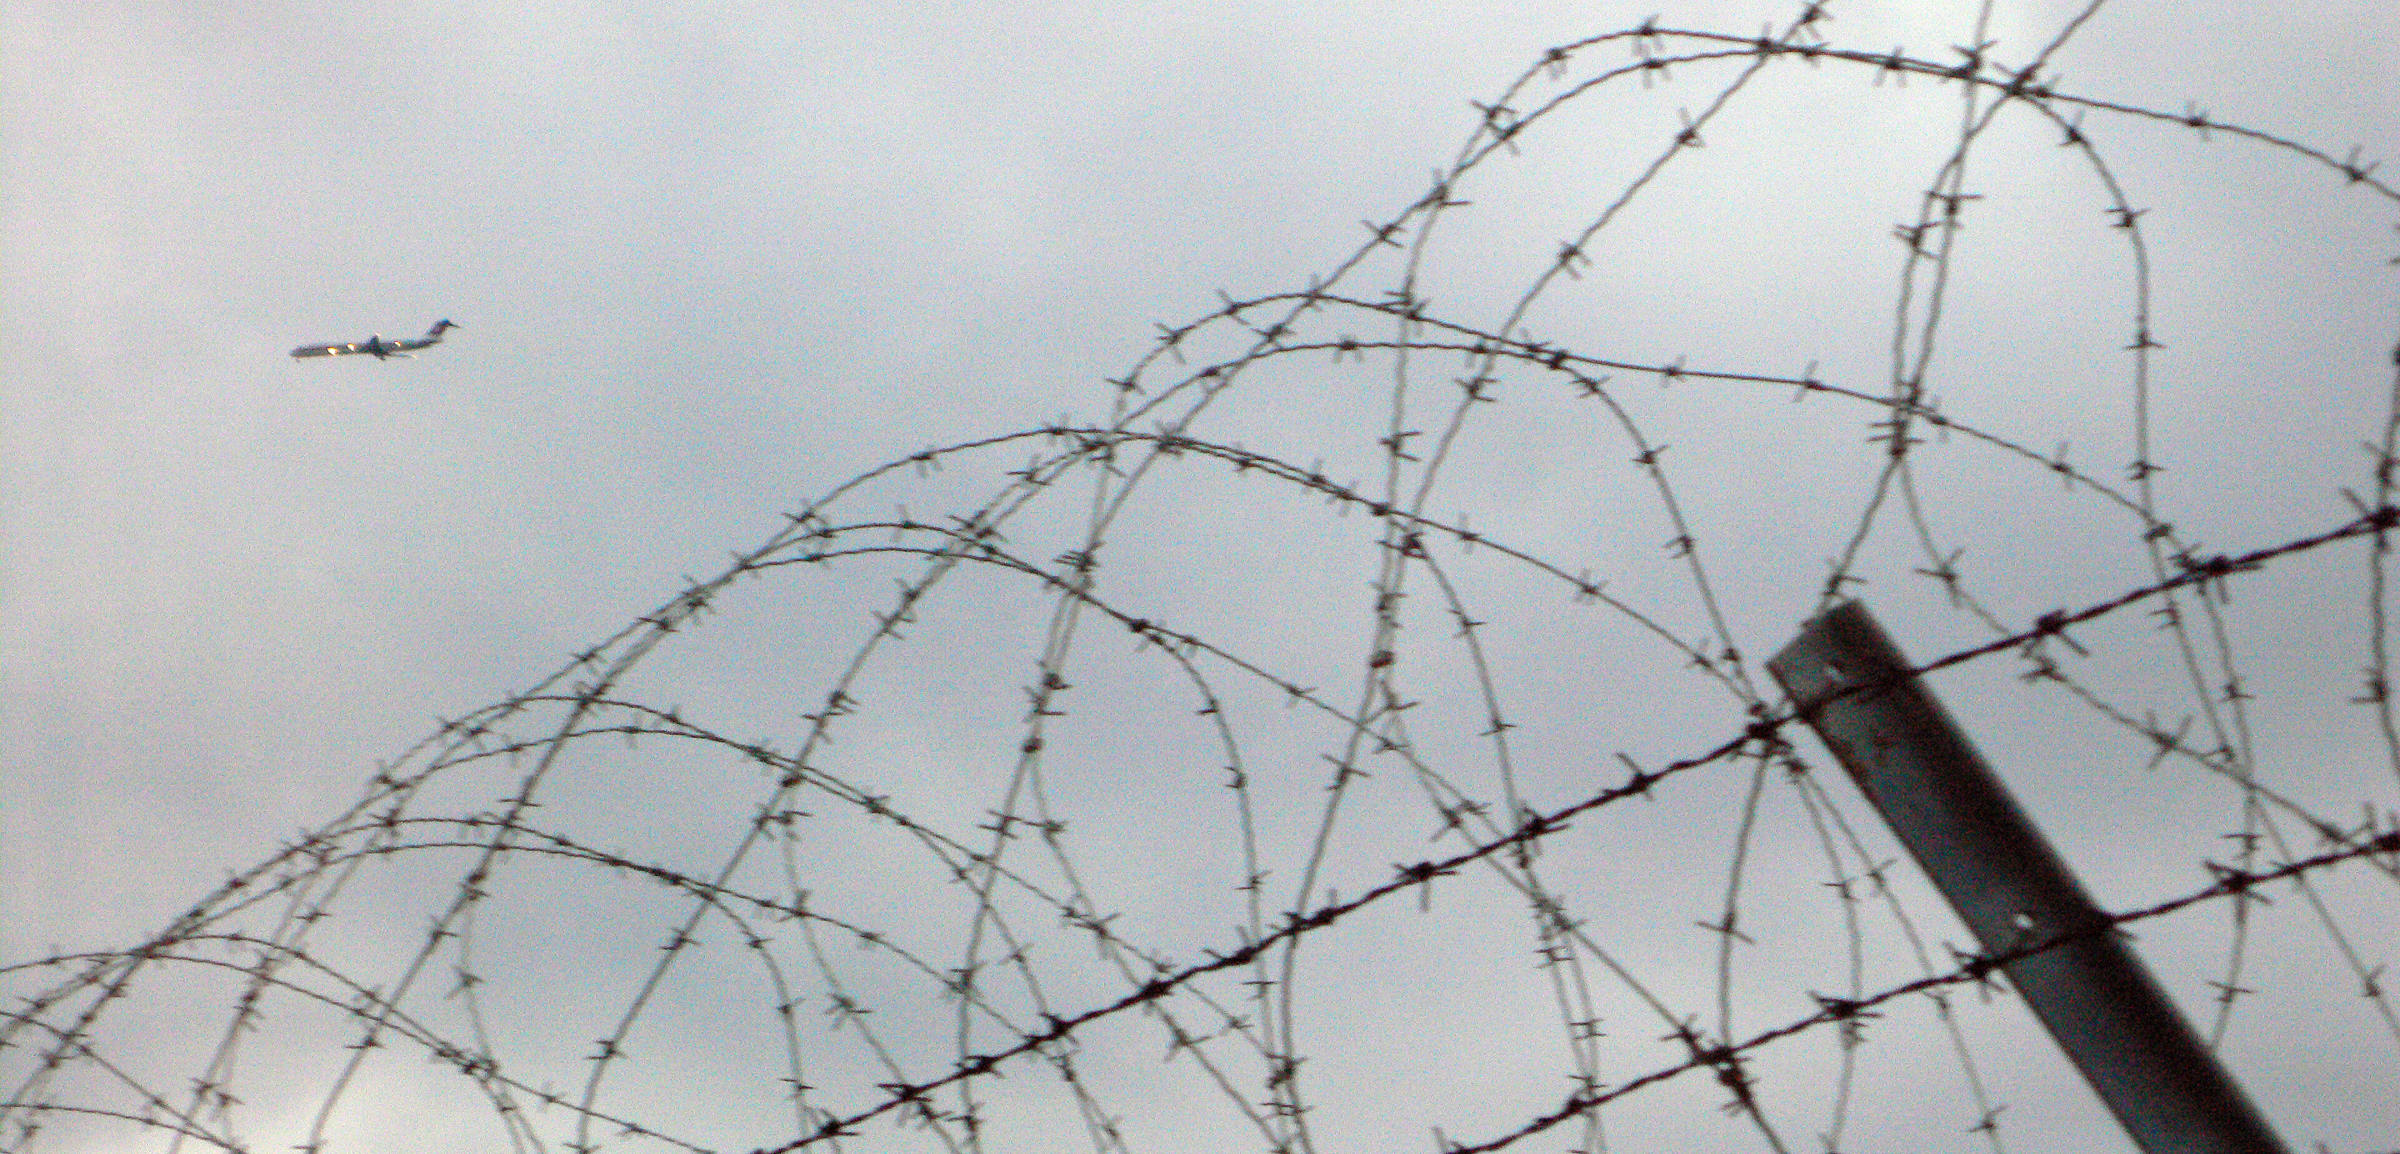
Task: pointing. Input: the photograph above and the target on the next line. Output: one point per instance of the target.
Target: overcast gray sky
(711, 263)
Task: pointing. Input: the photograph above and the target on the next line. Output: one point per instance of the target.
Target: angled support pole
(1850, 683)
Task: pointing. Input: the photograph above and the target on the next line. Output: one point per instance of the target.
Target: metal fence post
(1850, 683)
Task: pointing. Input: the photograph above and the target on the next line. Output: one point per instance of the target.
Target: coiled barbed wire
(1080, 609)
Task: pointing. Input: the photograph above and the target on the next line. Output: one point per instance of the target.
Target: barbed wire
(960, 856)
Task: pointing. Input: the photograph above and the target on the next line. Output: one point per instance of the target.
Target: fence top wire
(1356, 736)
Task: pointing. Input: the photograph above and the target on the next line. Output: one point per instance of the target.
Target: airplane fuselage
(378, 347)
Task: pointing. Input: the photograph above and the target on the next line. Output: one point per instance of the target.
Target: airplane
(378, 346)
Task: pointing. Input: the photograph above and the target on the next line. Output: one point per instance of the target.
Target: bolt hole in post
(1849, 682)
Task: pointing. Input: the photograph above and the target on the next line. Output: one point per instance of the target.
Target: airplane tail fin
(435, 333)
